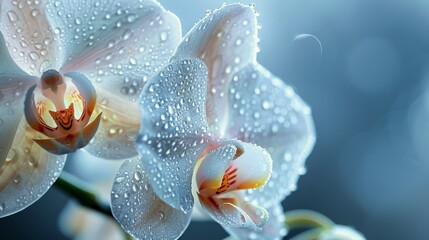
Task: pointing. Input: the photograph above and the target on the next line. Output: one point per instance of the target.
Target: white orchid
(72, 67)
(215, 126)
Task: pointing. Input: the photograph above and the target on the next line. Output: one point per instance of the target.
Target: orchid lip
(45, 111)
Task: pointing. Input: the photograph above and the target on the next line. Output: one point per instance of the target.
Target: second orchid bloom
(218, 132)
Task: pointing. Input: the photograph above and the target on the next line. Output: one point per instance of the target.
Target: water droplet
(119, 179)
(133, 61)
(163, 36)
(13, 17)
(78, 21)
(135, 187)
(266, 104)
(34, 55)
(35, 13)
(238, 42)
(287, 156)
(33, 162)
(2, 207)
(138, 176)
(237, 60)
(256, 115)
(10, 155)
(112, 131)
(131, 18)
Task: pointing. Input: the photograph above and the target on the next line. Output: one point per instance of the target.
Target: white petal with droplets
(118, 44)
(174, 129)
(13, 86)
(28, 172)
(226, 40)
(266, 111)
(120, 122)
(29, 36)
(138, 208)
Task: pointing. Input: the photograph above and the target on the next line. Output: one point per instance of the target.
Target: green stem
(307, 219)
(78, 189)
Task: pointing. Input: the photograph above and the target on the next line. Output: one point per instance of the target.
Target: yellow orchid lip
(45, 111)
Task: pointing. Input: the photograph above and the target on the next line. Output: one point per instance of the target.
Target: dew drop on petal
(35, 13)
(287, 156)
(138, 176)
(13, 17)
(266, 104)
(131, 18)
(119, 179)
(10, 155)
(133, 61)
(163, 36)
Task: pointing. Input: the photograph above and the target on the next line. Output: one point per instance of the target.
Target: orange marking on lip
(229, 178)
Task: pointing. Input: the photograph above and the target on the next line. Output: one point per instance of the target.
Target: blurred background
(363, 67)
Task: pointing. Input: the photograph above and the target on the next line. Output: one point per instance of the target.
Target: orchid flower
(218, 130)
(74, 69)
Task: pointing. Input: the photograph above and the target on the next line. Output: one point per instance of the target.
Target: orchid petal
(265, 111)
(138, 208)
(28, 34)
(13, 85)
(234, 212)
(174, 131)
(118, 129)
(8, 66)
(225, 40)
(27, 173)
(117, 44)
(274, 228)
(228, 168)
